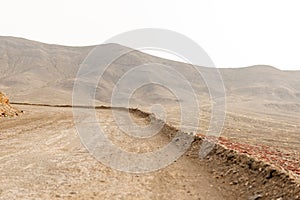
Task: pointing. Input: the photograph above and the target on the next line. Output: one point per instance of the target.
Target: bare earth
(42, 158)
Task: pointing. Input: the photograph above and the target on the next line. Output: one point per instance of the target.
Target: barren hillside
(259, 147)
(31, 70)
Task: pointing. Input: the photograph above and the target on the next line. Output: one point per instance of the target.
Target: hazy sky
(234, 33)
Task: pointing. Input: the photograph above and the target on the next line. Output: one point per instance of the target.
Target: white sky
(234, 33)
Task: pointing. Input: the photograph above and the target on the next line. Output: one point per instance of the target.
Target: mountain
(35, 72)
(31, 71)
(262, 102)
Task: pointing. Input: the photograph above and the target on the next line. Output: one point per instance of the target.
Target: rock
(6, 110)
(255, 197)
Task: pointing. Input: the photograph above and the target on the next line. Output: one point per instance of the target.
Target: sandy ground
(276, 132)
(42, 157)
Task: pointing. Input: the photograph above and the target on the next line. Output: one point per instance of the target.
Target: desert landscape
(42, 157)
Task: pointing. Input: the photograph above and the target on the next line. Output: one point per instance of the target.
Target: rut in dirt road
(42, 157)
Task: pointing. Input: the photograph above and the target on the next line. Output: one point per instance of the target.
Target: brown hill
(36, 72)
(261, 100)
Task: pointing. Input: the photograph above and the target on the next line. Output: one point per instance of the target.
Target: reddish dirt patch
(268, 154)
(285, 161)
(253, 171)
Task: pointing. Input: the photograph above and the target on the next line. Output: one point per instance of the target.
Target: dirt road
(42, 157)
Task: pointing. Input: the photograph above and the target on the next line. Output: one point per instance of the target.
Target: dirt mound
(249, 175)
(6, 110)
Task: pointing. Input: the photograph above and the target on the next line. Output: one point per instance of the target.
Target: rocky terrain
(6, 110)
(42, 158)
(256, 156)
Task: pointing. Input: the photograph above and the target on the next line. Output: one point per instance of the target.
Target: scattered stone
(255, 197)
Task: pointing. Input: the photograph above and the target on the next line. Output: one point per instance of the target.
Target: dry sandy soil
(273, 138)
(42, 158)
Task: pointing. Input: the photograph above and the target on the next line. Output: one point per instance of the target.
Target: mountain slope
(262, 103)
(41, 73)
(30, 69)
